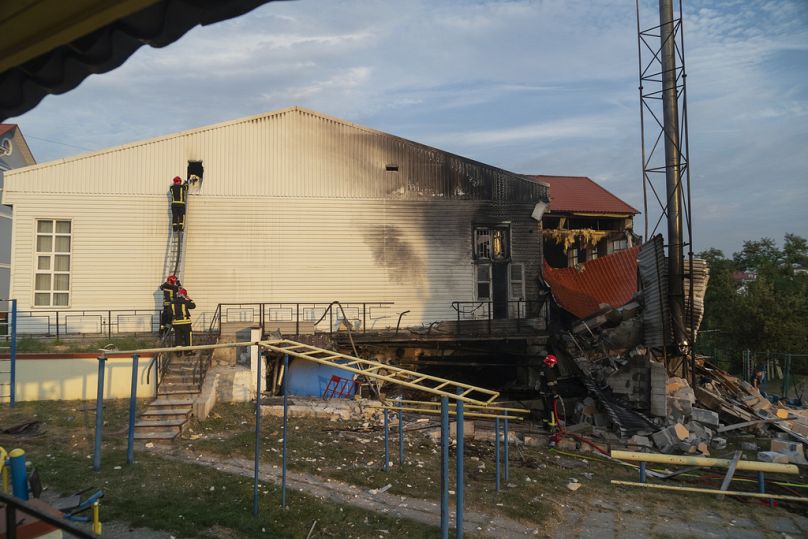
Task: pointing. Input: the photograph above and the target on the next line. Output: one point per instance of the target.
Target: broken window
(483, 281)
(572, 257)
(491, 243)
(52, 271)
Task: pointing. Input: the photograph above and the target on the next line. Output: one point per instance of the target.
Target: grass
(185, 499)
(535, 491)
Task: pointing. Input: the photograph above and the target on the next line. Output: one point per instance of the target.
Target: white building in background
(14, 153)
(294, 206)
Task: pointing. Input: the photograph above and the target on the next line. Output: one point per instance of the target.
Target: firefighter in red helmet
(549, 391)
(181, 318)
(170, 288)
(179, 201)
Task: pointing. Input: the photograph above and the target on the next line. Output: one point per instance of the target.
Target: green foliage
(767, 314)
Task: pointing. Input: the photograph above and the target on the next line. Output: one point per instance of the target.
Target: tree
(795, 250)
(758, 254)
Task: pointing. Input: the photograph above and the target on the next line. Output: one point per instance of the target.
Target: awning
(51, 46)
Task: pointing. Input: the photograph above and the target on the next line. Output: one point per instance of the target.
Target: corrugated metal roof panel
(582, 194)
(653, 277)
(610, 279)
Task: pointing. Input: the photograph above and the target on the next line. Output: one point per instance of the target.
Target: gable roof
(288, 152)
(582, 195)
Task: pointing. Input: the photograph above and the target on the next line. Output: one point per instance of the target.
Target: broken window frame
(492, 242)
(45, 262)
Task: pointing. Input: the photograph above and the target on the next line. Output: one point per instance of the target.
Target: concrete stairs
(167, 416)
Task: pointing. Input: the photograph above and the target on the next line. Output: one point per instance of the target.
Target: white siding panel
(415, 254)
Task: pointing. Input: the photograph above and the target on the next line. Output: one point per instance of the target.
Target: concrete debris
(772, 456)
(573, 486)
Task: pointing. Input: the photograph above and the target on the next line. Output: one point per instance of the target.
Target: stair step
(161, 423)
(172, 402)
(178, 386)
(194, 391)
(156, 435)
(167, 411)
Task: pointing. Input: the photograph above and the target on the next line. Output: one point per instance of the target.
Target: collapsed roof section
(582, 290)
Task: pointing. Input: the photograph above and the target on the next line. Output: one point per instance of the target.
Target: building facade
(294, 207)
(14, 153)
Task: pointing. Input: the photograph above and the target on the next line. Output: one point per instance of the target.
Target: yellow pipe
(467, 406)
(437, 412)
(96, 518)
(712, 491)
(4, 471)
(683, 460)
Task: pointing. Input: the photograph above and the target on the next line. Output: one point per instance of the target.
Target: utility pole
(673, 178)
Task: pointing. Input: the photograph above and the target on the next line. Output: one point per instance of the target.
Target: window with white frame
(483, 281)
(517, 280)
(52, 265)
(615, 246)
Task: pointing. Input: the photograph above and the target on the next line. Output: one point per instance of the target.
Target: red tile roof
(581, 194)
(609, 279)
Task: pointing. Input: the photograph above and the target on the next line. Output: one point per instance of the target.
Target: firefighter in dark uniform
(170, 289)
(181, 318)
(179, 199)
(549, 390)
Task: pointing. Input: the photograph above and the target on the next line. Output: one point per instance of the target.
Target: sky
(534, 87)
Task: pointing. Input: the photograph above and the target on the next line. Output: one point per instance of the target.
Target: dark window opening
(391, 167)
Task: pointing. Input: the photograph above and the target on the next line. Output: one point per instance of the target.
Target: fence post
(444, 467)
(400, 435)
(496, 449)
(57, 325)
(786, 375)
(13, 355)
(459, 465)
(386, 440)
(99, 414)
(505, 433)
(285, 430)
(109, 324)
(257, 430)
(130, 447)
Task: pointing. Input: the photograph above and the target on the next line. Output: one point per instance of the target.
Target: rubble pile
(631, 392)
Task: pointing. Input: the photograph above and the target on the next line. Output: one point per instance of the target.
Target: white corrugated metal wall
(294, 207)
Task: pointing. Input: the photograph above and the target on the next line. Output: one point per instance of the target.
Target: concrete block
(772, 456)
(718, 443)
(640, 441)
(706, 417)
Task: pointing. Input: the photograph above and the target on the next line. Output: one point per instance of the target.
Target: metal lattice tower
(665, 156)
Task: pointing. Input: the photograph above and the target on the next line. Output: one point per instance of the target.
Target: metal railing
(306, 316)
(15, 504)
(519, 310)
(8, 328)
(109, 322)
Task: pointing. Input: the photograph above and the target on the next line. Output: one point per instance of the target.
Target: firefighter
(179, 198)
(170, 289)
(181, 319)
(549, 390)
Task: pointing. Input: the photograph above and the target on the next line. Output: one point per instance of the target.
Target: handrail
(15, 504)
